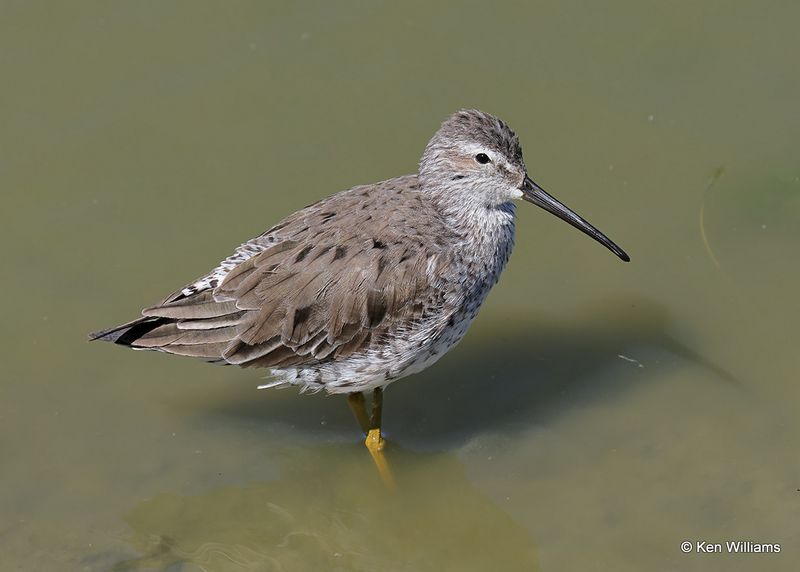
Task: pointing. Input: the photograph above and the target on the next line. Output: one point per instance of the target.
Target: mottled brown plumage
(332, 280)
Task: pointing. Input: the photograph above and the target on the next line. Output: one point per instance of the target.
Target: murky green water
(597, 415)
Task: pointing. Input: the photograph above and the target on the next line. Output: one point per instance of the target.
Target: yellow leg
(382, 464)
(356, 403)
(375, 441)
(372, 427)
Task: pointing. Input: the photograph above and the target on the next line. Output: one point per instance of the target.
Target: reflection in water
(329, 511)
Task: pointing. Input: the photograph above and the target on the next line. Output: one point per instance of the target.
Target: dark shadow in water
(523, 373)
(329, 511)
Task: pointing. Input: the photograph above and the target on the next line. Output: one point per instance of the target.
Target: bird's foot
(375, 441)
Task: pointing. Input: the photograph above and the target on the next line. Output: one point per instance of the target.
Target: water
(597, 415)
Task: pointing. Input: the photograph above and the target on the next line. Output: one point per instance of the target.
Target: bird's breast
(488, 247)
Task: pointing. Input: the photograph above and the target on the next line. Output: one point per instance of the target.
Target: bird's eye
(482, 158)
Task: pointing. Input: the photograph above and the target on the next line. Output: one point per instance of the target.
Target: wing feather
(328, 282)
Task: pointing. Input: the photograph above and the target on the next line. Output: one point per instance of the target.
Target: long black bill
(535, 194)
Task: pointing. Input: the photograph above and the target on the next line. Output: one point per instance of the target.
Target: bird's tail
(127, 334)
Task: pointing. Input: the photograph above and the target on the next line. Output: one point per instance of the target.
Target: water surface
(597, 415)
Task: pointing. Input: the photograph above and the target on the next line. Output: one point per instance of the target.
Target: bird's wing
(328, 281)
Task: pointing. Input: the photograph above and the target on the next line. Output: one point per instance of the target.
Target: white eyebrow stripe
(475, 148)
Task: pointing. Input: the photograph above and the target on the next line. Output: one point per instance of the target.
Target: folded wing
(317, 287)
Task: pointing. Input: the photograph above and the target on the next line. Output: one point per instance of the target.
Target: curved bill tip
(535, 194)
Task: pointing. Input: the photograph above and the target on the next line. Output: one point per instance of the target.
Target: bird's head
(476, 157)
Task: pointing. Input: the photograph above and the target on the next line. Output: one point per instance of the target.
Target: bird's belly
(441, 344)
(378, 367)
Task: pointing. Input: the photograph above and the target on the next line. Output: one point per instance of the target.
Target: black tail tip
(127, 334)
(110, 335)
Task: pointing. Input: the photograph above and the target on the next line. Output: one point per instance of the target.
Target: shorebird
(369, 285)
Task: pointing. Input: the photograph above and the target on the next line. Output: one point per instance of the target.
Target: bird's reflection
(330, 511)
